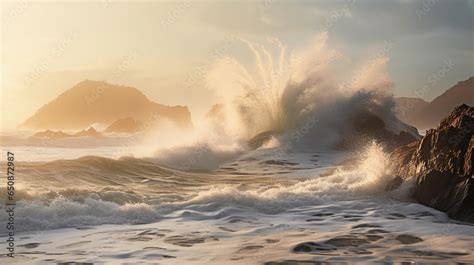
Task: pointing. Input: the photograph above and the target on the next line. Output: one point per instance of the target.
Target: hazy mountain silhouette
(425, 115)
(91, 102)
(125, 125)
(48, 134)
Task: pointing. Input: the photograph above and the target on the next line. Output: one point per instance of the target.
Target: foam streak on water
(239, 214)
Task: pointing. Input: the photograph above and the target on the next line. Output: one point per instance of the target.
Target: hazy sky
(164, 48)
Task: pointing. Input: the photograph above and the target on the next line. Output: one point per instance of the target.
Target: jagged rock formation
(441, 165)
(91, 102)
(54, 135)
(91, 132)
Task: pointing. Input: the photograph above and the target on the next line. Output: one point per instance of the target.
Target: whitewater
(262, 179)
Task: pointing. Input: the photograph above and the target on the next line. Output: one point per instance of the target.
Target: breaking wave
(307, 96)
(364, 178)
(310, 92)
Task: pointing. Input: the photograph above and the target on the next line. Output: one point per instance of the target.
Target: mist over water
(194, 192)
(306, 96)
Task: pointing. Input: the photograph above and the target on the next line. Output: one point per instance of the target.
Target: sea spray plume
(280, 94)
(254, 100)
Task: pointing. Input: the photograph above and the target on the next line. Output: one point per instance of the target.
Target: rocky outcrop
(363, 127)
(441, 165)
(48, 134)
(55, 135)
(125, 125)
(91, 132)
(366, 126)
(91, 102)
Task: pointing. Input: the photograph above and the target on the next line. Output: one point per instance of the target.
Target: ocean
(258, 208)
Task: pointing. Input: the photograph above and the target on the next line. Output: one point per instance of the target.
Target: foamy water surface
(256, 209)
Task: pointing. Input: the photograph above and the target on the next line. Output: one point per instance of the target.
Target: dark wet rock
(408, 239)
(441, 165)
(360, 128)
(366, 126)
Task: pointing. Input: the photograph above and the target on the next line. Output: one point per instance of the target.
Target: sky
(165, 48)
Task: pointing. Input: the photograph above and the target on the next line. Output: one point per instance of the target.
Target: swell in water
(310, 92)
(207, 196)
(133, 191)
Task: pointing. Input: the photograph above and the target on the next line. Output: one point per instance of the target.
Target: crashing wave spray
(366, 177)
(281, 91)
